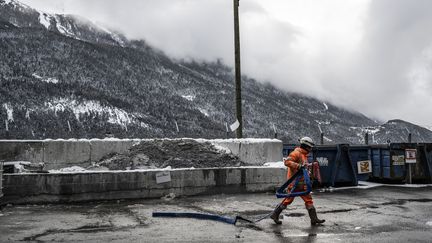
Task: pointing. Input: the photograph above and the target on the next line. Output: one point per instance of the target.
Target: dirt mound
(178, 153)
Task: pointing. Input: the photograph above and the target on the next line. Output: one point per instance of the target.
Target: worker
(295, 161)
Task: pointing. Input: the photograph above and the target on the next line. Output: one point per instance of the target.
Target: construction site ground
(379, 214)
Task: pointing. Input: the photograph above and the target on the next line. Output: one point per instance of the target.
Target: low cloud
(374, 57)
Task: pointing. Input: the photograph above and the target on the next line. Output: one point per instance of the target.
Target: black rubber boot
(313, 217)
(276, 212)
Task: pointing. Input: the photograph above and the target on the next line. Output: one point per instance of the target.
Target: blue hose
(200, 216)
(280, 193)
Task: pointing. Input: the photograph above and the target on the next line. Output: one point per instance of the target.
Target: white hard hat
(307, 141)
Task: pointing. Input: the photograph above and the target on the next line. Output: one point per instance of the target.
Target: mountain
(64, 77)
(22, 15)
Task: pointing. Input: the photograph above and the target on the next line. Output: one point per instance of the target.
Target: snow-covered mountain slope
(62, 80)
(22, 15)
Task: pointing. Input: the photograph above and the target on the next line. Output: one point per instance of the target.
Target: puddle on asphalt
(251, 226)
(294, 214)
(83, 229)
(338, 210)
(403, 201)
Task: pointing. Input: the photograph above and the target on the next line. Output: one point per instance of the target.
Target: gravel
(177, 153)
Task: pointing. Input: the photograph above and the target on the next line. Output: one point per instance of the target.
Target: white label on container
(364, 166)
(322, 161)
(235, 125)
(398, 160)
(410, 156)
(162, 177)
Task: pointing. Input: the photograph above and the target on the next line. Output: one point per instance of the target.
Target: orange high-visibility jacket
(296, 157)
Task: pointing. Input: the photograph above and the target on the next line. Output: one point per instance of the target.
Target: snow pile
(176, 153)
(279, 164)
(69, 169)
(368, 185)
(222, 149)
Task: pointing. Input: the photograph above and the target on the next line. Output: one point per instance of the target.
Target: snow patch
(189, 97)
(9, 112)
(118, 116)
(203, 111)
(144, 125)
(368, 185)
(62, 29)
(222, 149)
(279, 164)
(115, 115)
(36, 76)
(8, 1)
(163, 70)
(27, 115)
(429, 127)
(47, 80)
(429, 223)
(44, 19)
(114, 36)
(51, 80)
(323, 122)
(360, 131)
(240, 140)
(325, 106)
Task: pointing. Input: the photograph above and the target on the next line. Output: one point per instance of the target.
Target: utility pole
(237, 69)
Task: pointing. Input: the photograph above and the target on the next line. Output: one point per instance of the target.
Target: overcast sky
(373, 56)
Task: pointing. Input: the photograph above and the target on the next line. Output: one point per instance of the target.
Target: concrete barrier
(61, 153)
(21, 150)
(101, 147)
(76, 187)
(253, 151)
(65, 153)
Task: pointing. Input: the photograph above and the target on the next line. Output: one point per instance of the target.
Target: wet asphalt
(381, 214)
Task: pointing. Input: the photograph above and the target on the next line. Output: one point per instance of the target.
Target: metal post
(409, 172)
(366, 138)
(409, 137)
(322, 138)
(227, 130)
(237, 69)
